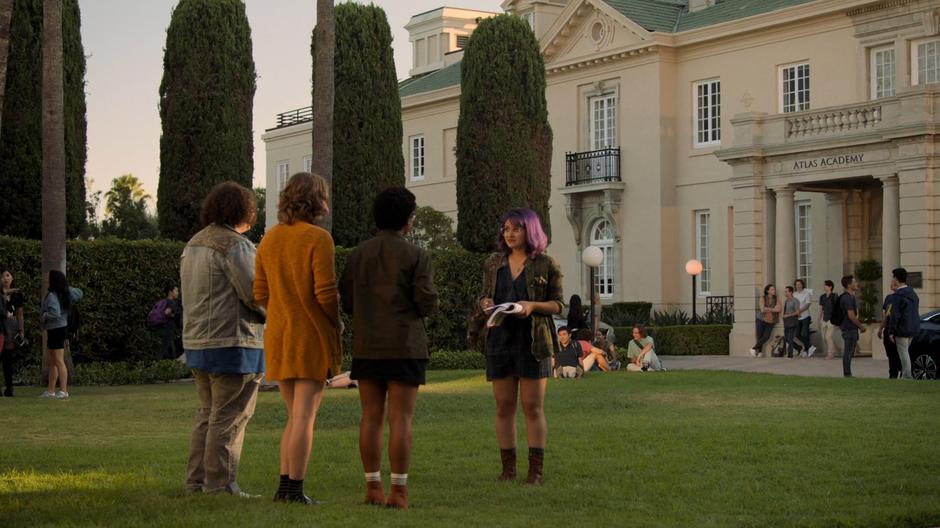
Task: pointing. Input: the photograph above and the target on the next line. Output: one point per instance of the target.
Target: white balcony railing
(833, 121)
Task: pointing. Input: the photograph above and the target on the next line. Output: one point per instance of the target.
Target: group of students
(275, 309)
(899, 326)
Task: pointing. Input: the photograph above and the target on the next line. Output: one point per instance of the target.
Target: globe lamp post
(693, 268)
(592, 257)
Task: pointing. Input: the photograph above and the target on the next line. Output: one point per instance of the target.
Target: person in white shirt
(806, 298)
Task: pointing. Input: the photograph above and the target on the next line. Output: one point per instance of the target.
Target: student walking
(519, 350)
(54, 313)
(850, 325)
(388, 288)
(223, 334)
(888, 309)
(905, 320)
(767, 318)
(805, 298)
(827, 302)
(791, 323)
(296, 281)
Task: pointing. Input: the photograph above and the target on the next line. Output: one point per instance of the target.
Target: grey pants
(850, 339)
(904, 345)
(226, 403)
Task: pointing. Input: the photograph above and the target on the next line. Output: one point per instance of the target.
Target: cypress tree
(367, 155)
(21, 136)
(504, 142)
(206, 99)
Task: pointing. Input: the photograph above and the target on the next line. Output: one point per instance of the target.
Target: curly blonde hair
(303, 199)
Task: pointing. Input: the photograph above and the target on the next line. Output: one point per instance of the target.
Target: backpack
(157, 316)
(74, 321)
(838, 314)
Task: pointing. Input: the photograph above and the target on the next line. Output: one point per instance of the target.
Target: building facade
(770, 140)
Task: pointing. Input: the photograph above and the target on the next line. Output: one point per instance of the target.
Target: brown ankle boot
(398, 498)
(508, 457)
(535, 469)
(375, 495)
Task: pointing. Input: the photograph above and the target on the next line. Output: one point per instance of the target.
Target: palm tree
(53, 147)
(323, 89)
(6, 12)
(125, 185)
(53, 140)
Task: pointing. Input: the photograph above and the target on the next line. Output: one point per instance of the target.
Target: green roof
(428, 82)
(673, 16)
(664, 16)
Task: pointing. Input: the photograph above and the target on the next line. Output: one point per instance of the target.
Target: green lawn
(690, 449)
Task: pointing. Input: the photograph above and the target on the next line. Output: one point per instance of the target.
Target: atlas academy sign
(829, 161)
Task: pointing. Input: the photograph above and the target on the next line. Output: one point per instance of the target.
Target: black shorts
(517, 364)
(407, 371)
(55, 338)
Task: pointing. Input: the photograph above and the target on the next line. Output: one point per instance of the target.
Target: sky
(124, 42)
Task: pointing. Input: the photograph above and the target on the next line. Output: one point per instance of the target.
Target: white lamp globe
(592, 256)
(693, 267)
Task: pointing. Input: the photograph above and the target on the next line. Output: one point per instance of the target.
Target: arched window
(602, 236)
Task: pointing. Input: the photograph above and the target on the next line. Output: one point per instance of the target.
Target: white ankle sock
(400, 479)
(375, 476)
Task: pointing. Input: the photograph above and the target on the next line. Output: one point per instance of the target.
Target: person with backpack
(888, 308)
(164, 317)
(791, 323)
(57, 307)
(827, 301)
(845, 315)
(905, 321)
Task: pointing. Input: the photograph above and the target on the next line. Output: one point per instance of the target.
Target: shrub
(683, 340)
(627, 313)
(673, 318)
(125, 373)
(457, 360)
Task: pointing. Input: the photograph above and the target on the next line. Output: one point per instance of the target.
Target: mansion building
(769, 139)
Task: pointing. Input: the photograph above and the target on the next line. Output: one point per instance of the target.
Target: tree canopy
(504, 141)
(206, 102)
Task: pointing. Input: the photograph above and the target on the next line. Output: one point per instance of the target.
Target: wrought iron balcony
(293, 117)
(592, 167)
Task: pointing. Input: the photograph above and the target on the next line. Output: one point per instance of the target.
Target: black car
(925, 348)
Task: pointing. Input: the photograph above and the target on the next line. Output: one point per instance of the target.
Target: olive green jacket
(543, 283)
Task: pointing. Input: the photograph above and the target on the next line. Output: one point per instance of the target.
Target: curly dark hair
(229, 204)
(393, 208)
(303, 199)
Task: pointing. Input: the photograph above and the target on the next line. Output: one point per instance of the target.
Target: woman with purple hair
(519, 349)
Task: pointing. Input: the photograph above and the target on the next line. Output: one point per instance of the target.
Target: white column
(890, 229)
(835, 237)
(785, 238)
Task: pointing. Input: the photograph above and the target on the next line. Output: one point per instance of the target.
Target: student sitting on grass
(641, 352)
(567, 360)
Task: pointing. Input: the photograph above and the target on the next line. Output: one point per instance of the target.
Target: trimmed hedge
(457, 360)
(685, 340)
(122, 279)
(124, 373)
(627, 313)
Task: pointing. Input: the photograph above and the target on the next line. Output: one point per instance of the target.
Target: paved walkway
(819, 367)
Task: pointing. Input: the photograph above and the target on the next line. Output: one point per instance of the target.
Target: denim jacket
(217, 270)
(52, 314)
(543, 283)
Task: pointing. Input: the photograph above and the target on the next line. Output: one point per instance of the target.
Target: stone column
(785, 238)
(890, 229)
(836, 237)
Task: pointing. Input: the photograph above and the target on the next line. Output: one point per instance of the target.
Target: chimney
(698, 5)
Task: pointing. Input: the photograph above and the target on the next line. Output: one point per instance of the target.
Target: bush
(673, 318)
(122, 279)
(457, 360)
(682, 340)
(627, 313)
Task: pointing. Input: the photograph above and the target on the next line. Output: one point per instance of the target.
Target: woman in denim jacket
(55, 314)
(519, 349)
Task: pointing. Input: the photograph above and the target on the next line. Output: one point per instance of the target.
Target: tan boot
(375, 494)
(508, 457)
(398, 498)
(535, 469)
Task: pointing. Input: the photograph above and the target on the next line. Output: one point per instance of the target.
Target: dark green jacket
(388, 288)
(543, 283)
